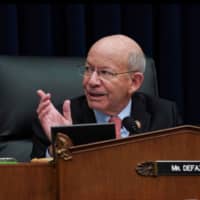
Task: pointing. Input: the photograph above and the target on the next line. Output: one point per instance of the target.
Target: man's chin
(96, 105)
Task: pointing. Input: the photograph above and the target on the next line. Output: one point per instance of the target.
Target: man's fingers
(43, 105)
(43, 96)
(42, 114)
(67, 110)
(41, 93)
(44, 101)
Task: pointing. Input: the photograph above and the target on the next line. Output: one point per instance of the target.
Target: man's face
(111, 95)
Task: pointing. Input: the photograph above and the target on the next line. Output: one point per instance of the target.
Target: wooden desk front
(30, 181)
(107, 171)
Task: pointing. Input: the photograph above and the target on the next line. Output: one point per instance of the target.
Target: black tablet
(85, 133)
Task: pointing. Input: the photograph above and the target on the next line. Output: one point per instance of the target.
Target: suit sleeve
(40, 140)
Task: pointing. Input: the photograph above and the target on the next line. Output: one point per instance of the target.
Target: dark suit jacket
(153, 113)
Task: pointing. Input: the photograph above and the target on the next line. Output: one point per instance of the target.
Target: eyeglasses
(102, 73)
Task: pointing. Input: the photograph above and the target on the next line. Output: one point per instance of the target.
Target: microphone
(131, 125)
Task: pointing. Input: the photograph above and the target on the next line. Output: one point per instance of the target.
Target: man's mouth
(96, 94)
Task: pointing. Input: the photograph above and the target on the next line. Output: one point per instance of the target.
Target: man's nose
(94, 78)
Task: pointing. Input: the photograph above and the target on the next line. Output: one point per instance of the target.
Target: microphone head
(131, 125)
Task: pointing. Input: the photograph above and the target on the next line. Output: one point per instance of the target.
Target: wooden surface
(107, 171)
(30, 181)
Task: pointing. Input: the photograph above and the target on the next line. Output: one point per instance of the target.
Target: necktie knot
(118, 123)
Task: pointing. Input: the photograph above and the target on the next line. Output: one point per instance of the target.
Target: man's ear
(137, 80)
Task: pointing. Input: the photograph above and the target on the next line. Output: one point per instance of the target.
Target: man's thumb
(67, 110)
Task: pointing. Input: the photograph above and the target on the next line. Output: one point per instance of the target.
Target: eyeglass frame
(100, 72)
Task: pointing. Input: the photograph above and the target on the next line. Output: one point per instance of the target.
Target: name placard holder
(169, 168)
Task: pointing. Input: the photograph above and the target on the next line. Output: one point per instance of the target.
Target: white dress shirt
(102, 118)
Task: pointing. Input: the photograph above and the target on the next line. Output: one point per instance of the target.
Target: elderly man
(112, 74)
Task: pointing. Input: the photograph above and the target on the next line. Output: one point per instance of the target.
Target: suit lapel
(88, 114)
(81, 113)
(139, 112)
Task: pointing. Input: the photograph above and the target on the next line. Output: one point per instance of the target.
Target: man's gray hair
(137, 61)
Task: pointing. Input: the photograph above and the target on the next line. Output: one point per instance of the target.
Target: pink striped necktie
(118, 122)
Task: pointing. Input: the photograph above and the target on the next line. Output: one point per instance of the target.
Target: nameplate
(169, 168)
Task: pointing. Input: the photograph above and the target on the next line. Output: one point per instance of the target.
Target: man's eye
(89, 69)
(104, 72)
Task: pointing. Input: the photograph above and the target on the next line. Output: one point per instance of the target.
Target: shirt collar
(101, 117)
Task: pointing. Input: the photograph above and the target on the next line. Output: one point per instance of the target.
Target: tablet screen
(85, 133)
